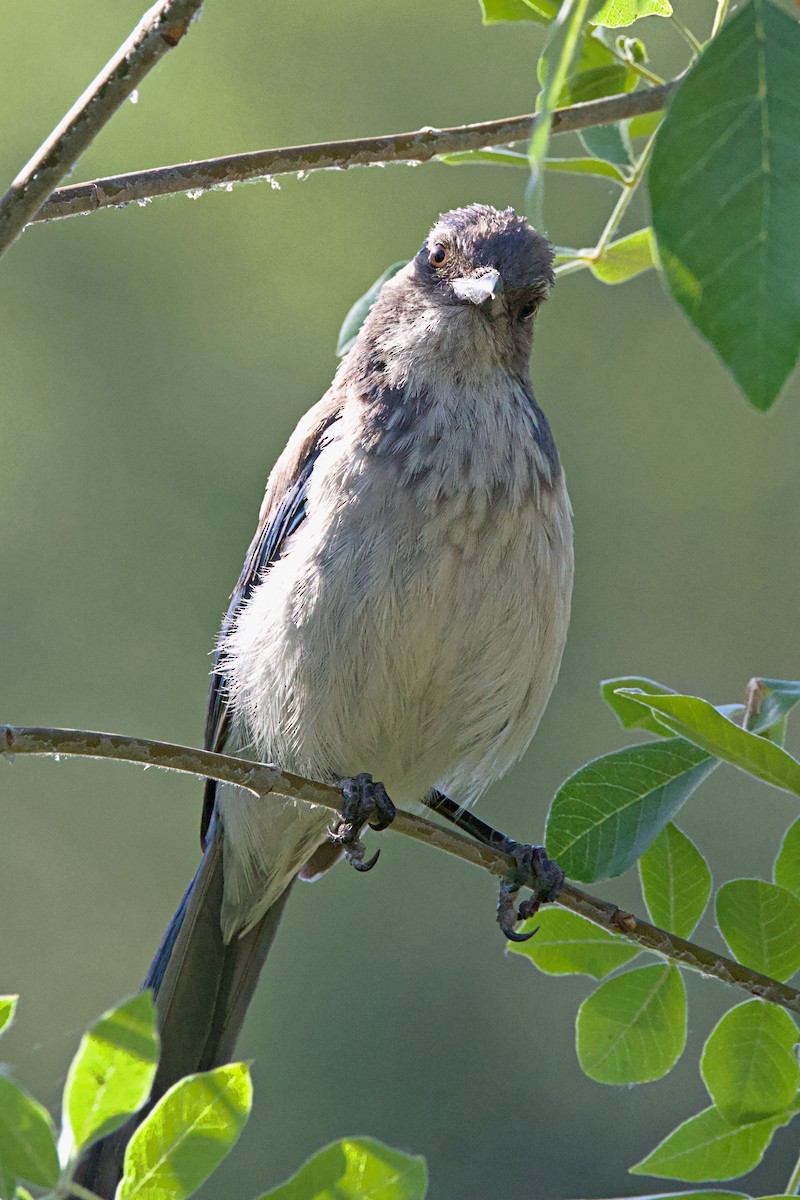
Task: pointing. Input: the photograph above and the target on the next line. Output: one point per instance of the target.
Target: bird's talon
(513, 936)
(365, 866)
(364, 803)
(534, 869)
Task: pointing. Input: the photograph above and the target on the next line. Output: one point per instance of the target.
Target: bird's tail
(203, 987)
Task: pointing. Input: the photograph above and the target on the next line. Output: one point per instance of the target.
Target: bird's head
(465, 305)
(485, 261)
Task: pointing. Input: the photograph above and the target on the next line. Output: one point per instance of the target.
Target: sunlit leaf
(27, 1137)
(626, 257)
(704, 725)
(568, 944)
(725, 195)
(616, 14)
(676, 881)
(8, 1009)
(607, 814)
(360, 310)
(187, 1135)
(113, 1071)
(633, 1028)
(709, 1147)
(357, 1169)
(498, 11)
(787, 864)
(749, 1064)
(761, 924)
(630, 713)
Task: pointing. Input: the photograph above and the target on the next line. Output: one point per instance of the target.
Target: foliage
(182, 1140)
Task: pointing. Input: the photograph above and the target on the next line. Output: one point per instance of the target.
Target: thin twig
(417, 147)
(161, 28)
(263, 779)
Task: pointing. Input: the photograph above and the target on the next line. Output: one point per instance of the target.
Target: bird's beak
(482, 290)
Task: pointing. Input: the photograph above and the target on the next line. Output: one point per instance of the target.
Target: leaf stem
(263, 779)
(624, 200)
(793, 1185)
(719, 17)
(694, 44)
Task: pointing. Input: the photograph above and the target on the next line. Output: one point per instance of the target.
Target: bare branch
(263, 779)
(417, 147)
(161, 28)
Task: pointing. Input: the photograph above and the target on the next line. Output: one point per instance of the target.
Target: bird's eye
(438, 255)
(526, 311)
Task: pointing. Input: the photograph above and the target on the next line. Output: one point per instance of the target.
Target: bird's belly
(424, 655)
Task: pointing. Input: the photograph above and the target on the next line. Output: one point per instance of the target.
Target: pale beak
(484, 289)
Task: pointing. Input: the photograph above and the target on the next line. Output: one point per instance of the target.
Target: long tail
(203, 988)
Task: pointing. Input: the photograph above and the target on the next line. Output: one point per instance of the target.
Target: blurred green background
(153, 363)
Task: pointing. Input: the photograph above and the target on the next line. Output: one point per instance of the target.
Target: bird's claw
(534, 869)
(364, 803)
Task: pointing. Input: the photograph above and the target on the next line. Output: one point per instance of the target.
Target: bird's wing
(282, 511)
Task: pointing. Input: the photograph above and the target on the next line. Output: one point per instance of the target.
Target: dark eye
(439, 255)
(526, 311)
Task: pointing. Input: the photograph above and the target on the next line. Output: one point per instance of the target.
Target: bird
(400, 616)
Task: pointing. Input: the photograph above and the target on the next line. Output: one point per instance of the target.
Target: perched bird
(402, 610)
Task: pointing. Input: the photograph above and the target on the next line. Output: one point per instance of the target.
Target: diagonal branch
(160, 29)
(263, 779)
(417, 147)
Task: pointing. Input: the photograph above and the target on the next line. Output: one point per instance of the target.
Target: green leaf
(609, 142)
(761, 924)
(111, 1075)
(645, 125)
(630, 713)
(358, 313)
(8, 1010)
(623, 259)
(187, 1135)
(725, 194)
(498, 156)
(561, 50)
(704, 725)
(607, 814)
(568, 944)
(357, 1169)
(633, 1028)
(787, 864)
(616, 14)
(595, 83)
(8, 1183)
(27, 1137)
(496, 12)
(676, 881)
(585, 166)
(708, 1147)
(749, 1065)
(778, 698)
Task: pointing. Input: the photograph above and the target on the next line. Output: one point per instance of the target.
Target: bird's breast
(409, 630)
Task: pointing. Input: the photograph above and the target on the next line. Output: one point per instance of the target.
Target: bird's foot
(534, 869)
(364, 803)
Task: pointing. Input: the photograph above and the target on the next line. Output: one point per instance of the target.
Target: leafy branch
(160, 30)
(264, 779)
(417, 147)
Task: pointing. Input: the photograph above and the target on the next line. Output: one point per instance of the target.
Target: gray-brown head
(467, 301)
